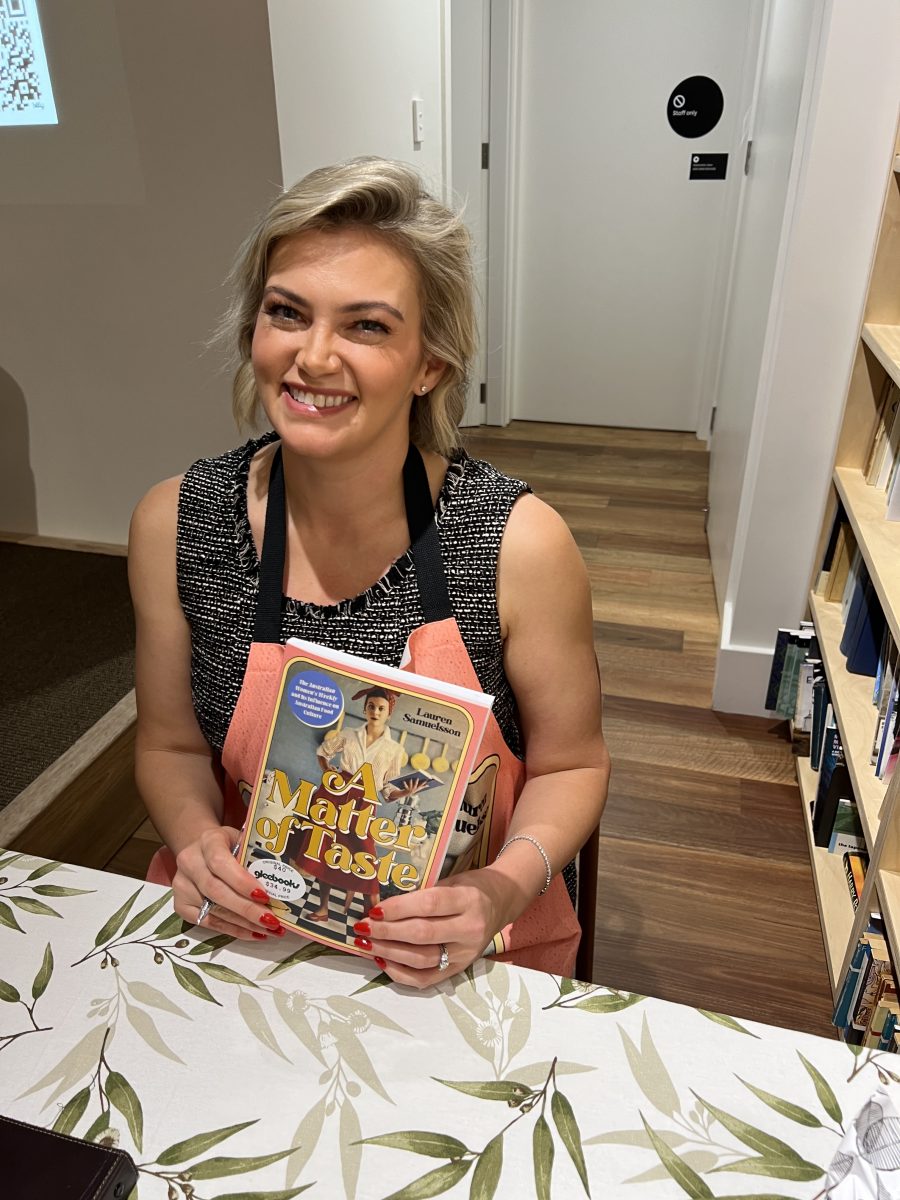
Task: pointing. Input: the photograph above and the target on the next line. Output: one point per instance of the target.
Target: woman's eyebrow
(357, 306)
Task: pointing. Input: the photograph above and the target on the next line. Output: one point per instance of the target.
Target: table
(271, 1069)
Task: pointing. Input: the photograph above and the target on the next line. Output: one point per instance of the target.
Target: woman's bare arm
(173, 760)
(545, 612)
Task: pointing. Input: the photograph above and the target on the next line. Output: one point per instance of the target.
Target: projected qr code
(20, 82)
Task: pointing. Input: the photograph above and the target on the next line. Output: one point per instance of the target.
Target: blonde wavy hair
(388, 197)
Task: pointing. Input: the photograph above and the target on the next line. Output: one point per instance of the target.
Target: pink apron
(546, 935)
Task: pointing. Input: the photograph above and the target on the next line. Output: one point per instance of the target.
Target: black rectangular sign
(709, 166)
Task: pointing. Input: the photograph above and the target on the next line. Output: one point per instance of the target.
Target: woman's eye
(283, 314)
(367, 326)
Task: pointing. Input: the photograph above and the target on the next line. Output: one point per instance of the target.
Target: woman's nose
(316, 353)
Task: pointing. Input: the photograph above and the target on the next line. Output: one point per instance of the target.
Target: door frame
(506, 18)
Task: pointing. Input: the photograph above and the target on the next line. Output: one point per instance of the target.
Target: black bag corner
(41, 1165)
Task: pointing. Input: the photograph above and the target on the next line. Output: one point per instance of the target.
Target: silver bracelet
(526, 837)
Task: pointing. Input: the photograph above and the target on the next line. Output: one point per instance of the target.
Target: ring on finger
(444, 959)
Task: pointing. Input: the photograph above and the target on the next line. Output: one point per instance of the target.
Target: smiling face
(337, 348)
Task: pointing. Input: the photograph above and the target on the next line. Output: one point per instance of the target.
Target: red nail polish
(270, 921)
(259, 894)
(362, 943)
(376, 913)
(379, 962)
(280, 931)
(262, 936)
(362, 927)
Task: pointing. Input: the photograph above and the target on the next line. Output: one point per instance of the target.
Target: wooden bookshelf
(878, 539)
(888, 885)
(836, 911)
(884, 342)
(876, 360)
(856, 715)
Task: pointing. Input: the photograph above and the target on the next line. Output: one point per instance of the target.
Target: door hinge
(747, 156)
(485, 155)
(482, 393)
(712, 419)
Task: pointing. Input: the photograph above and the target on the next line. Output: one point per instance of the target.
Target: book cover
(855, 611)
(840, 563)
(821, 711)
(850, 985)
(856, 863)
(827, 796)
(856, 566)
(863, 647)
(878, 973)
(846, 832)
(781, 644)
(335, 821)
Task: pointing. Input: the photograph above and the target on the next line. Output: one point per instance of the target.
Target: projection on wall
(26, 97)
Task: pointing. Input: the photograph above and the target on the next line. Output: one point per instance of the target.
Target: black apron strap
(267, 626)
(424, 539)
(423, 536)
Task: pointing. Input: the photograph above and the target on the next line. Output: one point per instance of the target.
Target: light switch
(418, 115)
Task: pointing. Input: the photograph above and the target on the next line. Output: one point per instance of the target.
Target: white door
(618, 247)
(791, 25)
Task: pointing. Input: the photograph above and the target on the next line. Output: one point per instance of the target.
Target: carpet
(66, 653)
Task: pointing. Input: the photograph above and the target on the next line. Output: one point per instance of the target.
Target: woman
(353, 323)
(371, 743)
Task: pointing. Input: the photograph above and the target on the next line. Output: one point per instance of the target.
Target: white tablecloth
(270, 1069)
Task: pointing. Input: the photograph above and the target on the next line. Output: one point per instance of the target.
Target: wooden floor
(705, 890)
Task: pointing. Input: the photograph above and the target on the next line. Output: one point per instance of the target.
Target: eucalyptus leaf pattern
(233, 1063)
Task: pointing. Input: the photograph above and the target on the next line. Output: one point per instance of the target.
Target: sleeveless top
(218, 575)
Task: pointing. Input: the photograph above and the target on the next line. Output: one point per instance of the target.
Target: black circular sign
(695, 106)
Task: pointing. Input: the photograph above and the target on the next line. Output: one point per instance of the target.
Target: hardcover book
(829, 790)
(349, 806)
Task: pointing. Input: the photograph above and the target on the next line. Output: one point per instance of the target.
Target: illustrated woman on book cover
(357, 521)
(372, 743)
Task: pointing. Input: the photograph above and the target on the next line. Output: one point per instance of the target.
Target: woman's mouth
(316, 403)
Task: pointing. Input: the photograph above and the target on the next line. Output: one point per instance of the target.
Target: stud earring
(423, 389)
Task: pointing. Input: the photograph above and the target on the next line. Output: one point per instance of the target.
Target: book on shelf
(335, 820)
(839, 566)
(865, 984)
(880, 456)
(885, 730)
(846, 831)
(856, 567)
(875, 980)
(864, 628)
(856, 863)
(845, 1003)
(822, 712)
(786, 639)
(829, 790)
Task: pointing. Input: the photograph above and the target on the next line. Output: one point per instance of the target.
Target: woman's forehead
(344, 255)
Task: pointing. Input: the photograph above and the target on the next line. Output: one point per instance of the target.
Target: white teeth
(317, 400)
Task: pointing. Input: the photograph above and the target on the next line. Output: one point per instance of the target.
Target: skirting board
(742, 675)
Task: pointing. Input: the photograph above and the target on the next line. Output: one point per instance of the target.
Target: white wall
(346, 72)
(117, 228)
(847, 154)
(618, 248)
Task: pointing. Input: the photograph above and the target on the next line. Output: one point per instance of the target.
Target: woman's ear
(435, 369)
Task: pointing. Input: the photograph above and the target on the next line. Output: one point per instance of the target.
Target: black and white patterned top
(218, 572)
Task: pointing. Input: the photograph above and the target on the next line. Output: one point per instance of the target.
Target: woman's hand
(462, 913)
(206, 868)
